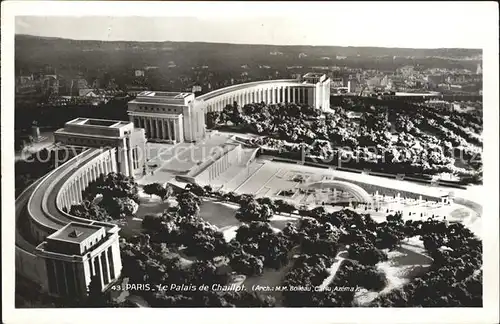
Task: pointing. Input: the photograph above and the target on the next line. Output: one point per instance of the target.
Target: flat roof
(98, 122)
(313, 75)
(74, 232)
(164, 94)
(236, 87)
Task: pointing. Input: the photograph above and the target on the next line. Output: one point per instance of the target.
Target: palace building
(168, 116)
(129, 142)
(176, 117)
(63, 253)
(77, 253)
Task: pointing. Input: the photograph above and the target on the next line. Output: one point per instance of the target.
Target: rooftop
(163, 94)
(74, 232)
(98, 122)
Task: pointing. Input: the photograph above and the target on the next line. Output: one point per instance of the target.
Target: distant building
(134, 90)
(27, 85)
(479, 69)
(337, 82)
(301, 55)
(435, 80)
(87, 93)
(77, 85)
(352, 85)
(384, 82)
(374, 82)
(139, 73)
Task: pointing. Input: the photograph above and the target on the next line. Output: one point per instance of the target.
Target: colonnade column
(66, 198)
(144, 125)
(169, 129)
(157, 128)
(150, 124)
(105, 265)
(80, 188)
(70, 196)
(163, 133)
(77, 190)
(151, 128)
(72, 193)
(85, 178)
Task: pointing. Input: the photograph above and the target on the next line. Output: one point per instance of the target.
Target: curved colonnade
(270, 92)
(41, 208)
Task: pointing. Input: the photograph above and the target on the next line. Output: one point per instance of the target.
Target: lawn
(404, 263)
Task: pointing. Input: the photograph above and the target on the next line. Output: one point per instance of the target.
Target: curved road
(39, 201)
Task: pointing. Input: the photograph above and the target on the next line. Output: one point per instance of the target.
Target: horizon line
(250, 44)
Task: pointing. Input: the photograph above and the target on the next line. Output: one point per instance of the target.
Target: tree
(90, 210)
(113, 185)
(155, 189)
(208, 190)
(213, 118)
(247, 264)
(366, 254)
(284, 207)
(189, 203)
(196, 189)
(253, 211)
(96, 298)
(119, 207)
(152, 222)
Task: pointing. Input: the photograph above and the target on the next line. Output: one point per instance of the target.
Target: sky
(411, 25)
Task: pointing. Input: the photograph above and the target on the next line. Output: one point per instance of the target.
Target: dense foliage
(111, 196)
(412, 139)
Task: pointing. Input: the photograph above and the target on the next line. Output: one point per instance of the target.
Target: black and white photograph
(323, 156)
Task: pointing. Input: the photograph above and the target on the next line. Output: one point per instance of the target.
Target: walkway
(333, 270)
